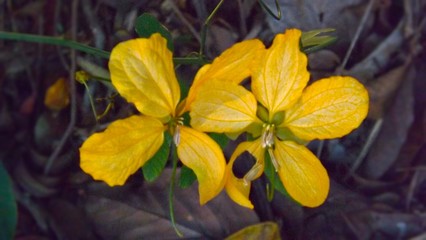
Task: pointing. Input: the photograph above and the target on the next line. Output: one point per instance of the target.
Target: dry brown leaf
(138, 206)
(369, 224)
(397, 121)
(344, 16)
(382, 90)
(117, 220)
(327, 221)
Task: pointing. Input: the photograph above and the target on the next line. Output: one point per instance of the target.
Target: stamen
(273, 159)
(252, 174)
(176, 136)
(268, 135)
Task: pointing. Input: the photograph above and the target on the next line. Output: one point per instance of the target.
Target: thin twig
(320, 148)
(366, 148)
(412, 187)
(71, 124)
(357, 34)
(206, 26)
(184, 21)
(242, 15)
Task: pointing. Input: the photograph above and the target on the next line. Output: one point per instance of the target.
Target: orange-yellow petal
(57, 96)
(223, 108)
(301, 173)
(232, 66)
(142, 72)
(113, 155)
(236, 188)
(203, 155)
(329, 108)
(280, 74)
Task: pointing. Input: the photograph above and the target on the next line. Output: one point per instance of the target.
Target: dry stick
(410, 194)
(183, 19)
(370, 140)
(242, 15)
(357, 34)
(71, 124)
(57, 13)
(342, 67)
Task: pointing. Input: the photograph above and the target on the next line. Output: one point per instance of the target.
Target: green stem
(189, 60)
(101, 79)
(269, 11)
(54, 41)
(205, 26)
(270, 188)
(172, 188)
(91, 100)
(82, 47)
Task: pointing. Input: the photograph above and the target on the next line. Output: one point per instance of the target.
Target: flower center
(174, 127)
(268, 134)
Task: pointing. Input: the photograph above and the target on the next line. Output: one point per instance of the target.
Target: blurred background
(378, 172)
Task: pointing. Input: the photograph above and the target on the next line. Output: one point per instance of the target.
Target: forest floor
(378, 172)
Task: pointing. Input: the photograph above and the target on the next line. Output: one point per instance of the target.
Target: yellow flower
(142, 72)
(282, 113)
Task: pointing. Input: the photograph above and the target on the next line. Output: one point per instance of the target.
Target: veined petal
(280, 74)
(142, 72)
(203, 155)
(113, 155)
(236, 188)
(329, 108)
(232, 66)
(223, 108)
(302, 174)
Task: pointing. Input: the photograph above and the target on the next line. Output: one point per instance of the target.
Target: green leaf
(147, 24)
(153, 168)
(263, 230)
(187, 177)
(220, 138)
(311, 41)
(8, 210)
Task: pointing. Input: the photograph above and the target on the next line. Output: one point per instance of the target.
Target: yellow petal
(203, 155)
(113, 155)
(232, 66)
(236, 189)
(142, 72)
(280, 74)
(302, 174)
(57, 96)
(329, 108)
(223, 108)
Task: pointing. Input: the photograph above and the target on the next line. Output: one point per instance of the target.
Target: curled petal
(301, 173)
(232, 66)
(223, 108)
(280, 74)
(329, 108)
(113, 155)
(142, 72)
(238, 189)
(203, 155)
